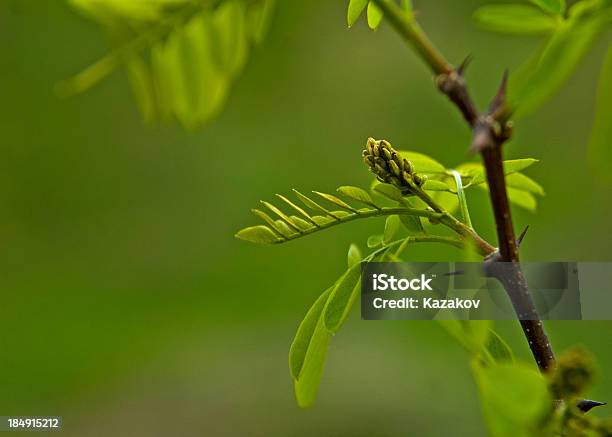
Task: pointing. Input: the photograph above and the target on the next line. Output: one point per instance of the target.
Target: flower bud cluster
(390, 167)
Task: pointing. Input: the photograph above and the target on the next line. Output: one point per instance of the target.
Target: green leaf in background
(375, 15)
(514, 18)
(498, 348)
(258, 19)
(600, 143)
(308, 353)
(258, 234)
(342, 298)
(181, 56)
(358, 194)
(143, 88)
(471, 334)
(375, 241)
(422, 163)
(514, 398)
(354, 256)
(228, 35)
(355, 8)
(197, 89)
(406, 5)
(539, 78)
(556, 7)
(392, 225)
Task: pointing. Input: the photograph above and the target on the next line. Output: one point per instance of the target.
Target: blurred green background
(128, 307)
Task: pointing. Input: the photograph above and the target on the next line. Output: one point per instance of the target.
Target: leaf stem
(365, 213)
(404, 22)
(465, 213)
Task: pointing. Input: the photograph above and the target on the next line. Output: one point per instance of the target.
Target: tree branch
(490, 131)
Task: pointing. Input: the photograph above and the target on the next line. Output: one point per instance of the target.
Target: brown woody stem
(490, 131)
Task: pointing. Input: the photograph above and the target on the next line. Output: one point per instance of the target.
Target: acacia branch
(490, 131)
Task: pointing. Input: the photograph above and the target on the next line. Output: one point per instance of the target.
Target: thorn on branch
(519, 240)
(499, 100)
(464, 65)
(496, 257)
(586, 405)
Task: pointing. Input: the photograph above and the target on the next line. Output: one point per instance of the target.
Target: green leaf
(498, 348)
(258, 234)
(537, 80)
(259, 16)
(522, 199)
(514, 165)
(199, 89)
(412, 224)
(355, 9)
(387, 190)
(514, 18)
(392, 225)
(600, 143)
(375, 240)
(375, 15)
(228, 36)
(406, 5)
(295, 207)
(354, 255)
(336, 201)
(422, 163)
(357, 194)
(471, 334)
(556, 7)
(310, 203)
(476, 172)
(342, 298)
(524, 183)
(143, 89)
(434, 185)
(515, 398)
(180, 56)
(285, 218)
(308, 353)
